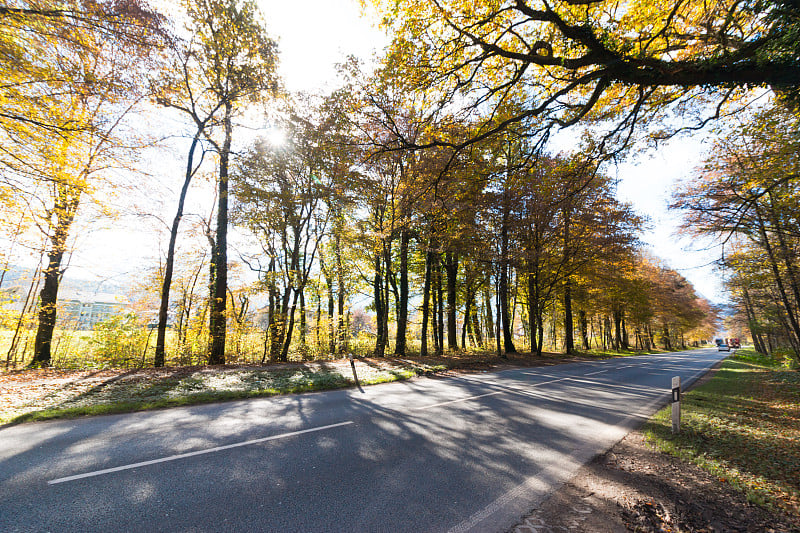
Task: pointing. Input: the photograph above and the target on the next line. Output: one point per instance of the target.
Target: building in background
(83, 309)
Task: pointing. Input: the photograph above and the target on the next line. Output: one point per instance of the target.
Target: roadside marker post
(353, 366)
(676, 404)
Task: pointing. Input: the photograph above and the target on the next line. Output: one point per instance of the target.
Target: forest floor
(42, 394)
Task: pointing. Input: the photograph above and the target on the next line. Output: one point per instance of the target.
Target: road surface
(445, 454)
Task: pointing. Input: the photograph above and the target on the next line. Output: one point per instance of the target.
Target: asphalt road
(469, 453)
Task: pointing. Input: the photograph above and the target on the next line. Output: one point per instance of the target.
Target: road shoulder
(633, 487)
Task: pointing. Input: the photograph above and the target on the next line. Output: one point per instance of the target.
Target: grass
(743, 426)
(204, 385)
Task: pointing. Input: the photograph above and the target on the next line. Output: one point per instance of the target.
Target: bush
(119, 341)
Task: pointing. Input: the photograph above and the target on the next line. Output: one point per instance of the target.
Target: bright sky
(313, 36)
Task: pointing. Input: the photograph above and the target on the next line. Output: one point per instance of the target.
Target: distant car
(724, 348)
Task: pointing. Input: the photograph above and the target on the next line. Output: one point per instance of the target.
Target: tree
(56, 171)
(748, 190)
(235, 63)
(575, 60)
(42, 46)
(280, 192)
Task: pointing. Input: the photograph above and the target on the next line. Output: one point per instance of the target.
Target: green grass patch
(205, 386)
(744, 427)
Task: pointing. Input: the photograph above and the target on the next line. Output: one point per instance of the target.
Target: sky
(314, 35)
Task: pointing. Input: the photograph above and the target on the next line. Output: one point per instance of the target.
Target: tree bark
(584, 329)
(158, 359)
(426, 294)
(569, 339)
(217, 320)
(508, 342)
(451, 267)
(377, 286)
(64, 210)
(795, 327)
(402, 310)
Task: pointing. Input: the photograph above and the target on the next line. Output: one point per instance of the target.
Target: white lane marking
(192, 454)
(455, 401)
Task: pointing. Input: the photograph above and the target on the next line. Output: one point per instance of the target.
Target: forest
(426, 205)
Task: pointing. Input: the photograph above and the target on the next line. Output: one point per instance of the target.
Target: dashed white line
(192, 454)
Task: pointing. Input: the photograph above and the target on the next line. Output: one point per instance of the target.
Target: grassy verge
(205, 385)
(744, 427)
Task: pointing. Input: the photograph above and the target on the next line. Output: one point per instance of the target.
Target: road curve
(467, 453)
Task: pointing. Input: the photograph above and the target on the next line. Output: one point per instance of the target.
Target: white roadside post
(676, 404)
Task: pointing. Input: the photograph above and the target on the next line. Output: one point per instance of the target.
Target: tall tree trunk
(752, 323)
(451, 267)
(387, 287)
(532, 312)
(617, 314)
(217, 322)
(426, 296)
(377, 286)
(569, 328)
(64, 210)
(584, 328)
(466, 326)
(161, 333)
(498, 326)
(487, 305)
(402, 310)
(342, 344)
(625, 342)
(440, 304)
(795, 327)
(331, 307)
(508, 343)
(303, 326)
(289, 328)
(476, 326)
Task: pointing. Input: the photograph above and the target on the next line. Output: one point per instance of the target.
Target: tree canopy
(575, 61)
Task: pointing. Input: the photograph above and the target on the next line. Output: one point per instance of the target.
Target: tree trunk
(625, 342)
(342, 344)
(487, 304)
(476, 327)
(402, 310)
(426, 295)
(466, 325)
(439, 314)
(303, 325)
(451, 267)
(163, 308)
(569, 340)
(217, 322)
(795, 327)
(377, 287)
(617, 315)
(65, 209)
(532, 313)
(508, 343)
(752, 323)
(584, 329)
